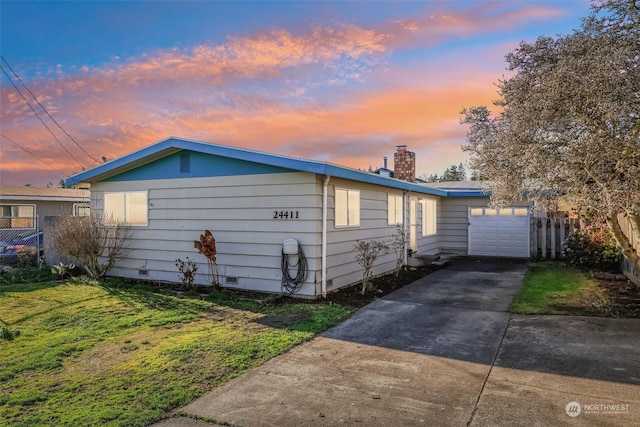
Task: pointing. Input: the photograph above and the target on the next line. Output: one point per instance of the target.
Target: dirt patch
(609, 298)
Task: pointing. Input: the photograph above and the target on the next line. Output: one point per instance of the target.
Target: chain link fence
(21, 241)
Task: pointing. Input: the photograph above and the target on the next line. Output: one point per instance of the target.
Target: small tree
(398, 243)
(366, 257)
(95, 243)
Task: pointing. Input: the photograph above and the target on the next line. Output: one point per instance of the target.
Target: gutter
(323, 272)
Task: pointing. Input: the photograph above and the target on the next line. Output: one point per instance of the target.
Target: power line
(29, 152)
(38, 116)
(47, 112)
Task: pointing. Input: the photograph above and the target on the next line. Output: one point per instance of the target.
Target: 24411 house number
(286, 215)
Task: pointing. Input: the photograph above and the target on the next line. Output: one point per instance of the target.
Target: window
(347, 208)
(81, 209)
(129, 208)
(394, 209)
(429, 217)
(17, 216)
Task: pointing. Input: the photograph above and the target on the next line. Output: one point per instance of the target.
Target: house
(23, 214)
(254, 202)
(25, 207)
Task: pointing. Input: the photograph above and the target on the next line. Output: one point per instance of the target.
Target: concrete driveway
(444, 351)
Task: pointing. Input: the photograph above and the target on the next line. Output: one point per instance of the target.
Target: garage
(499, 232)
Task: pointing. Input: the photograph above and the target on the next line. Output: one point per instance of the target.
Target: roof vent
(185, 163)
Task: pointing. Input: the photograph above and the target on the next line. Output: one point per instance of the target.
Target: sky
(336, 81)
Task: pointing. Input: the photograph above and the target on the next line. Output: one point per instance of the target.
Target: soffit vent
(185, 163)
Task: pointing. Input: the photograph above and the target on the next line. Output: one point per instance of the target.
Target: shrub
(367, 254)
(398, 244)
(593, 247)
(95, 243)
(23, 275)
(188, 270)
(207, 247)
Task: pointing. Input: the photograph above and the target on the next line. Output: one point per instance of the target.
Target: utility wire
(34, 155)
(47, 112)
(38, 116)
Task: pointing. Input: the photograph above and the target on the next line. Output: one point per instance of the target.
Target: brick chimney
(404, 164)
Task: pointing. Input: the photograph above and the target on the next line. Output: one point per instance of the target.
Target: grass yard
(548, 285)
(554, 288)
(85, 354)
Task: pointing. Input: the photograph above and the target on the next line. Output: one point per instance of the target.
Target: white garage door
(499, 232)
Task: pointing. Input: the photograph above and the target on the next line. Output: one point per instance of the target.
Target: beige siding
(429, 245)
(453, 222)
(239, 212)
(343, 269)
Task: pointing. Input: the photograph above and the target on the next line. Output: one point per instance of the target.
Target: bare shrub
(367, 254)
(188, 270)
(398, 244)
(95, 243)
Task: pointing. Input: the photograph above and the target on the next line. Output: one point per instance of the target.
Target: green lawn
(84, 354)
(554, 288)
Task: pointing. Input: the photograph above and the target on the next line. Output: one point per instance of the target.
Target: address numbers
(286, 215)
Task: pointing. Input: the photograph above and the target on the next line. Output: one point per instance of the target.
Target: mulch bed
(382, 286)
(617, 298)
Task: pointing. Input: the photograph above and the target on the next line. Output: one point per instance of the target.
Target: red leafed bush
(206, 245)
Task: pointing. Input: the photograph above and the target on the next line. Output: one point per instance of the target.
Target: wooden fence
(548, 235)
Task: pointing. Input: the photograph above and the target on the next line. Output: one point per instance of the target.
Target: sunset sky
(343, 82)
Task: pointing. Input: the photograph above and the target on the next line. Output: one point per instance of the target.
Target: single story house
(252, 202)
(23, 207)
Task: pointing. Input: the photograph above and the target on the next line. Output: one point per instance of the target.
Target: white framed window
(347, 207)
(429, 212)
(126, 208)
(17, 216)
(394, 209)
(81, 209)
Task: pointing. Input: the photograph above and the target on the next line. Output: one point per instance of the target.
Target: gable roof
(173, 145)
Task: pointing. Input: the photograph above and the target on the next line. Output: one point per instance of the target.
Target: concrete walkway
(443, 351)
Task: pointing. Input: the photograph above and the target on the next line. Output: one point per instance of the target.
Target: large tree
(568, 121)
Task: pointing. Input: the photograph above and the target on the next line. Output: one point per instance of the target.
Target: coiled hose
(290, 285)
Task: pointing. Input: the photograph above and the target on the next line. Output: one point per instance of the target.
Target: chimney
(404, 164)
(384, 159)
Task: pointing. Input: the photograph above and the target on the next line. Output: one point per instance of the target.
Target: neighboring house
(26, 207)
(172, 191)
(22, 218)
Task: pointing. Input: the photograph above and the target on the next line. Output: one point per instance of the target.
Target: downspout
(405, 226)
(325, 186)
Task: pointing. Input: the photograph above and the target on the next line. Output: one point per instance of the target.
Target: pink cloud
(200, 93)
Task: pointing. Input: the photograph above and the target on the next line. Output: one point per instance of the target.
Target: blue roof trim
(172, 145)
(468, 193)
